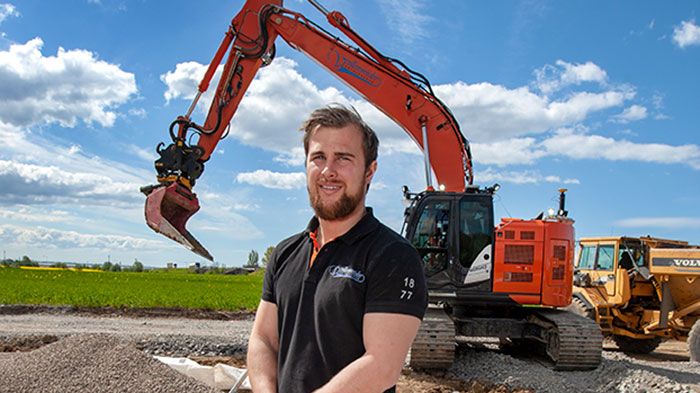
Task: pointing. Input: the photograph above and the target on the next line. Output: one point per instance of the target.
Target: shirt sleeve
(268, 290)
(396, 283)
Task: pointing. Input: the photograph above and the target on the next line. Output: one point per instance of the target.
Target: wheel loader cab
(453, 233)
(615, 264)
(597, 261)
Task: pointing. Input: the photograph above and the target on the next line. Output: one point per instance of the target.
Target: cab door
(605, 266)
(430, 231)
(475, 241)
(598, 260)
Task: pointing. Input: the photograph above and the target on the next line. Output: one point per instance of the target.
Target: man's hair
(338, 116)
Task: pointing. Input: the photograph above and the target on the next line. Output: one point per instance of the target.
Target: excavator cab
(453, 233)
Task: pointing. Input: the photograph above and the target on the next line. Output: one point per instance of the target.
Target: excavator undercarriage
(566, 341)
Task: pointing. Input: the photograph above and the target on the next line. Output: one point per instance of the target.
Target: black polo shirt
(320, 308)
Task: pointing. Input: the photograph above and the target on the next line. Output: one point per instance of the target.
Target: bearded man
(343, 300)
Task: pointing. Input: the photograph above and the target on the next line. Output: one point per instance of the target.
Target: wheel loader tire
(577, 306)
(642, 346)
(694, 342)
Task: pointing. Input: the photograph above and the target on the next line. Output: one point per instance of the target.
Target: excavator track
(434, 346)
(571, 341)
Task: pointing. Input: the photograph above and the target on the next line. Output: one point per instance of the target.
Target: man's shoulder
(287, 246)
(291, 240)
(390, 236)
(388, 243)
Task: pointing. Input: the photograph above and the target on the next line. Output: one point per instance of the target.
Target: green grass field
(171, 289)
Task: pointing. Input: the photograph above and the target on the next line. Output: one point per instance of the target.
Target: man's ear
(370, 171)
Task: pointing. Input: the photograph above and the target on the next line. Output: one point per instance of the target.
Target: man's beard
(338, 210)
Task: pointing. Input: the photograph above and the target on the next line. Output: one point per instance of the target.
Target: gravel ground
(617, 373)
(91, 363)
(669, 371)
(157, 336)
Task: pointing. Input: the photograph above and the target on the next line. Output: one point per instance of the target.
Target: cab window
(475, 229)
(627, 256)
(431, 231)
(430, 238)
(606, 257)
(587, 258)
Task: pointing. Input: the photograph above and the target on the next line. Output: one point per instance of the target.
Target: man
(342, 301)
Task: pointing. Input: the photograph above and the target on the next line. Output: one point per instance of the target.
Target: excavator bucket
(167, 210)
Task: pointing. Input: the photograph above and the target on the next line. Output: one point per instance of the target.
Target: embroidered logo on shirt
(346, 272)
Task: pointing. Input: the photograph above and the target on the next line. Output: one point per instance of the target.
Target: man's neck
(329, 230)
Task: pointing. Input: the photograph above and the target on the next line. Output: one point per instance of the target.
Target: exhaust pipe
(562, 202)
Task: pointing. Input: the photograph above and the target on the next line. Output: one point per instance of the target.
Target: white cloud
(490, 112)
(499, 121)
(630, 114)
(591, 147)
(149, 155)
(269, 179)
(138, 112)
(553, 78)
(488, 176)
(183, 81)
(686, 34)
(7, 10)
(74, 149)
(660, 222)
(379, 185)
(28, 183)
(26, 213)
(42, 237)
(232, 201)
(279, 99)
(514, 151)
(294, 157)
(276, 103)
(34, 170)
(408, 19)
(73, 85)
(220, 213)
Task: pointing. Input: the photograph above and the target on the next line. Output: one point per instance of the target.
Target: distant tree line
(137, 266)
(254, 262)
(24, 261)
(116, 267)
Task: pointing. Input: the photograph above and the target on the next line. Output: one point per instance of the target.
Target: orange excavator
(480, 277)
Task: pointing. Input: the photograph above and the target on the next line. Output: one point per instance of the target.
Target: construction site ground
(213, 337)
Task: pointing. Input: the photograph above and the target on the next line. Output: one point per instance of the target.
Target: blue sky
(595, 96)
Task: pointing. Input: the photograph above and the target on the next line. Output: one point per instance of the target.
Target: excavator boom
(400, 93)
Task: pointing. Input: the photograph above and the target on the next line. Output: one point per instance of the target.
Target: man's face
(336, 177)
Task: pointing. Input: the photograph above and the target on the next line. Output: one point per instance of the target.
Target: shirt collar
(366, 225)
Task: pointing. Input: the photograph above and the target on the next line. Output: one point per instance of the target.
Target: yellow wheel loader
(640, 290)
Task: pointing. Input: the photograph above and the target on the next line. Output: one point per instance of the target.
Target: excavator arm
(400, 93)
